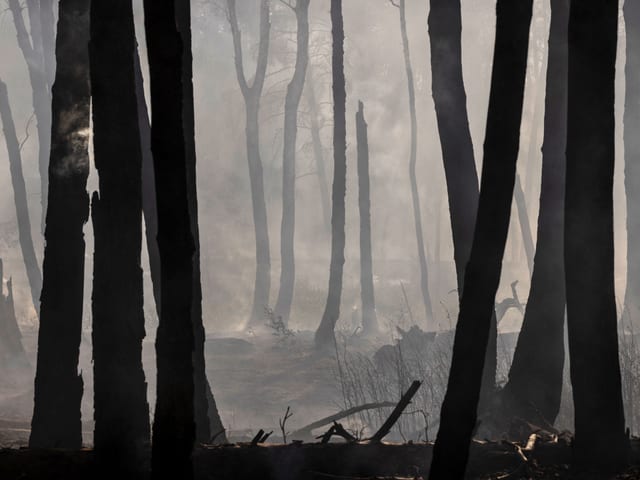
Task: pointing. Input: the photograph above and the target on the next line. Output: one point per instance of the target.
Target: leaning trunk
(291, 104)
(58, 387)
(535, 381)
(482, 274)
(121, 411)
(600, 440)
(324, 336)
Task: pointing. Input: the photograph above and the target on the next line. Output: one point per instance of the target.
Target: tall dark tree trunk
(20, 198)
(252, 96)
(121, 411)
(291, 104)
(535, 381)
(324, 336)
(415, 196)
(450, 100)
(174, 424)
(482, 274)
(632, 162)
(369, 319)
(318, 153)
(149, 208)
(56, 419)
(204, 404)
(41, 99)
(600, 439)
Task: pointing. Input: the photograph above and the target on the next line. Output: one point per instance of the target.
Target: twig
(283, 421)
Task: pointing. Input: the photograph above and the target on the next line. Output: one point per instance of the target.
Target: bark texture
(252, 96)
(482, 274)
(324, 336)
(535, 381)
(174, 424)
(58, 387)
(600, 440)
(121, 411)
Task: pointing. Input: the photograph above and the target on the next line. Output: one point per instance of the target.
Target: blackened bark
(482, 274)
(450, 100)
(318, 152)
(40, 98)
(291, 104)
(149, 208)
(56, 419)
(20, 198)
(535, 381)
(324, 336)
(632, 161)
(174, 424)
(204, 405)
(369, 319)
(415, 196)
(252, 96)
(121, 411)
(600, 440)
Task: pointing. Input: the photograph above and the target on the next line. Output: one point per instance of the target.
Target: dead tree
(20, 198)
(121, 411)
(252, 96)
(415, 196)
(523, 220)
(173, 426)
(600, 440)
(291, 105)
(12, 352)
(369, 320)
(482, 274)
(32, 52)
(324, 336)
(450, 101)
(535, 380)
(58, 388)
(632, 161)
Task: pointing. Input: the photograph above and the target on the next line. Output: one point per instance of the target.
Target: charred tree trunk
(369, 320)
(415, 196)
(318, 153)
(252, 96)
(149, 208)
(56, 419)
(450, 100)
(174, 424)
(324, 336)
(535, 380)
(291, 104)
(632, 162)
(482, 275)
(205, 410)
(40, 97)
(121, 411)
(20, 198)
(600, 440)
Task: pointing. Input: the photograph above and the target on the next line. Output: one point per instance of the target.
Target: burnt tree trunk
(252, 96)
(324, 336)
(632, 162)
(482, 274)
(56, 419)
(20, 198)
(291, 105)
(41, 98)
(369, 320)
(450, 100)
(121, 411)
(415, 196)
(174, 423)
(535, 380)
(600, 440)
(205, 409)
